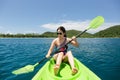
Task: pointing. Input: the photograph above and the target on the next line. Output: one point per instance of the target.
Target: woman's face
(60, 33)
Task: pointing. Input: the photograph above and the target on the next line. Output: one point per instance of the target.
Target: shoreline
(52, 37)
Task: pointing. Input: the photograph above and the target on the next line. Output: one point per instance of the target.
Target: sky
(39, 16)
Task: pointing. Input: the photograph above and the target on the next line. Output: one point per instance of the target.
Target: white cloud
(67, 24)
(77, 25)
(8, 31)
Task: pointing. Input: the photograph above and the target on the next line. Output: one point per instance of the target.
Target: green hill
(113, 31)
(49, 34)
(69, 33)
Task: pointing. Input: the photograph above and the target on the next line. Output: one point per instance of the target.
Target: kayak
(47, 72)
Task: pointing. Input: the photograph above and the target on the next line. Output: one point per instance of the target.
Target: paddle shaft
(76, 36)
(42, 60)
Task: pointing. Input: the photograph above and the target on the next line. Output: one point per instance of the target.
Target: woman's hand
(74, 41)
(74, 38)
(47, 56)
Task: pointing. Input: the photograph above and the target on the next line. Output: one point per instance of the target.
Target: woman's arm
(74, 42)
(51, 48)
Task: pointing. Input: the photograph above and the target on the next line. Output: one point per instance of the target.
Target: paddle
(96, 22)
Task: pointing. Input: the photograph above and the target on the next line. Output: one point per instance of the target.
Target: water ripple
(100, 55)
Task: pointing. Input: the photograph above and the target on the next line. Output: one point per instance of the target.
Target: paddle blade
(26, 69)
(96, 22)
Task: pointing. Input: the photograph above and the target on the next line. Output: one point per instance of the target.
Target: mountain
(113, 31)
(69, 33)
(49, 34)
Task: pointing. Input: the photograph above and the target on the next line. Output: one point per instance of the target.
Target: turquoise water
(101, 55)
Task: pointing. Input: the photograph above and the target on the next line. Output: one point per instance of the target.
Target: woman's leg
(71, 62)
(58, 58)
(55, 56)
(70, 59)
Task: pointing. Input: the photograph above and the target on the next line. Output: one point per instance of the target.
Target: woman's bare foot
(74, 71)
(56, 69)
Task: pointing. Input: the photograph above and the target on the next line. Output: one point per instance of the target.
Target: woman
(62, 54)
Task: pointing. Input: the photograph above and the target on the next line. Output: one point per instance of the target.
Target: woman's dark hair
(63, 30)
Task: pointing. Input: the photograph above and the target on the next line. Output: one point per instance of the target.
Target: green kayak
(47, 72)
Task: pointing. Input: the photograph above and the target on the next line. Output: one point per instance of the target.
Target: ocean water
(101, 55)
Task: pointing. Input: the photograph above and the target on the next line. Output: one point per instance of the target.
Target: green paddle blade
(96, 22)
(26, 69)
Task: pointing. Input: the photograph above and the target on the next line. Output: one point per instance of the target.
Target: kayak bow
(47, 72)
